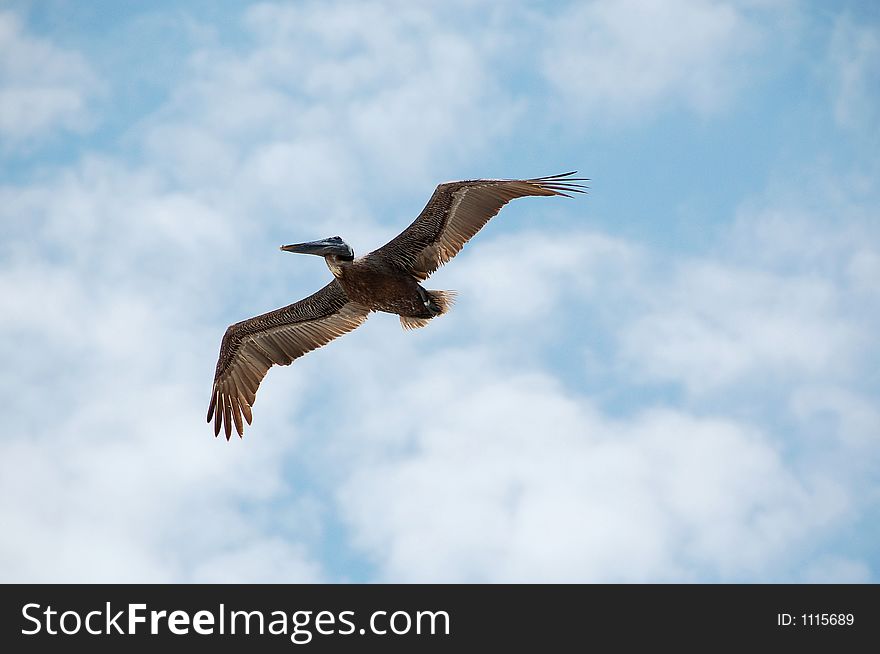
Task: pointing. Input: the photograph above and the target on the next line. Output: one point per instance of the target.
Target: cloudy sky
(674, 378)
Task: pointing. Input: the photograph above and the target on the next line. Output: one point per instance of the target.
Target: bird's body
(376, 284)
(387, 279)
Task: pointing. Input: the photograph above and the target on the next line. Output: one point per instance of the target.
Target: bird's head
(334, 250)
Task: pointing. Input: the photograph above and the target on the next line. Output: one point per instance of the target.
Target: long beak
(321, 248)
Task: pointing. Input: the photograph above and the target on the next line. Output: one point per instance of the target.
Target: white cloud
(108, 349)
(837, 570)
(389, 86)
(839, 414)
(784, 298)
(526, 276)
(509, 478)
(715, 325)
(119, 488)
(42, 87)
(271, 562)
(619, 60)
(854, 56)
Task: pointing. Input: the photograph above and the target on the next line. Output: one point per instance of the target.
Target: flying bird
(386, 280)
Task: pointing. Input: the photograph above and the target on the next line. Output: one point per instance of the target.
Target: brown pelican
(386, 280)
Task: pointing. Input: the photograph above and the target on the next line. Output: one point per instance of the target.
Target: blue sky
(672, 379)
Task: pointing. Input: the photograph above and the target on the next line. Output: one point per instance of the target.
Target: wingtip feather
(211, 405)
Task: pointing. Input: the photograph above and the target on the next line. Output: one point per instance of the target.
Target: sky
(671, 379)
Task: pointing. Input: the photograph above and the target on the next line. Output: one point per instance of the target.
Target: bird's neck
(337, 265)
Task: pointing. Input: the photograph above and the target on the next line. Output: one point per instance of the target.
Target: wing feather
(249, 348)
(457, 211)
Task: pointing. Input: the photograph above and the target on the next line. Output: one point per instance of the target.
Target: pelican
(386, 280)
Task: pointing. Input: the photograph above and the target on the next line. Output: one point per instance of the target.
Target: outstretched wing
(251, 347)
(457, 211)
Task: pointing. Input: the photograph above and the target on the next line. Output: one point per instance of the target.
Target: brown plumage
(386, 279)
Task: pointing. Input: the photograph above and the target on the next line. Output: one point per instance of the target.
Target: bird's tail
(443, 300)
